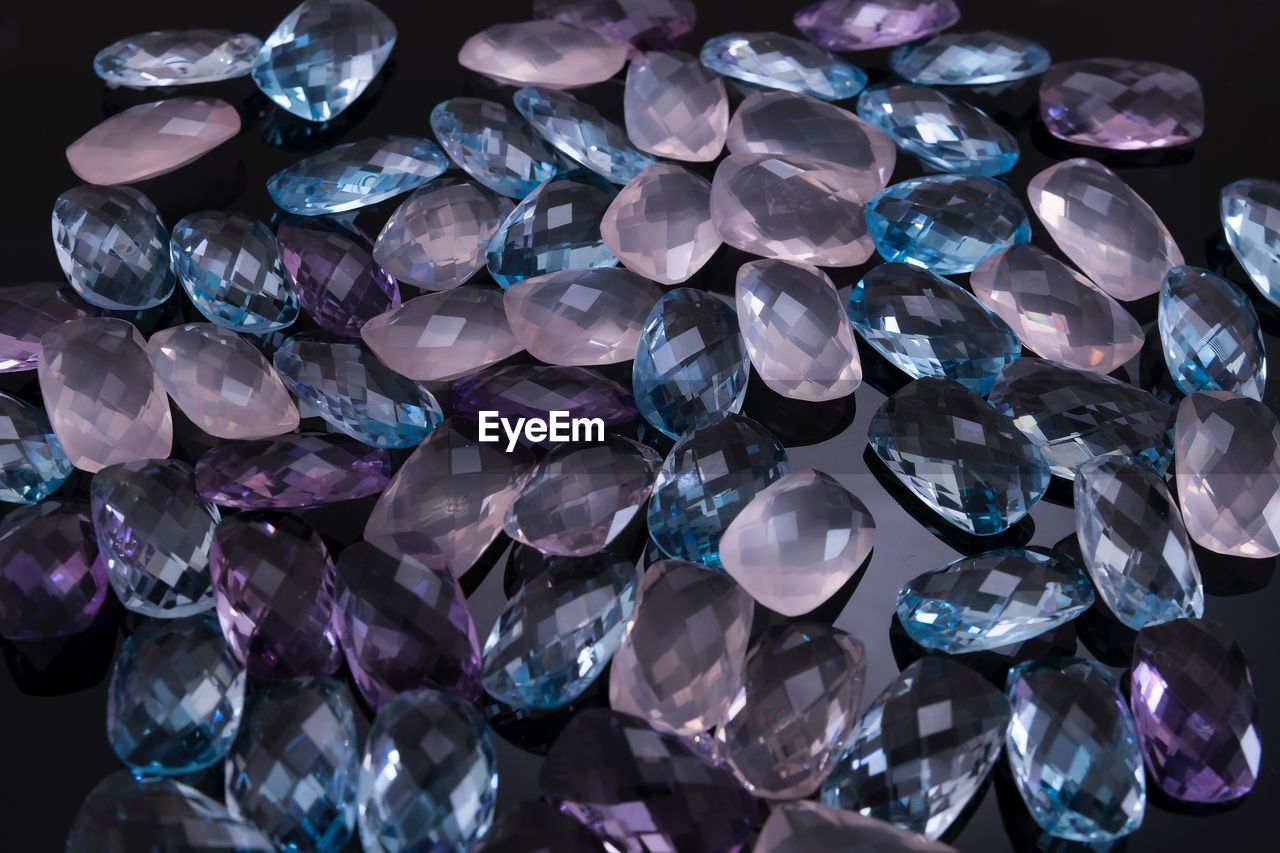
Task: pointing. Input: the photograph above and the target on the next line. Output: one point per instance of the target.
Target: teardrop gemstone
(330, 265)
(1211, 336)
(943, 133)
(355, 175)
(674, 107)
(1249, 210)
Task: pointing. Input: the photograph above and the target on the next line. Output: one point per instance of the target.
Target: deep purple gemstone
(536, 390)
(291, 471)
(332, 270)
(645, 24)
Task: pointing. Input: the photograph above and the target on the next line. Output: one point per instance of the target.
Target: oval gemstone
(1250, 210)
(291, 472)
(176, 58)
(640, 23)
(542, 53)
(32, 464)
(52, 581)
(659, 225)
(491, 144)
(330, 265)
(1210, 333)
(539, 391)
(970, 59)
(775, 61)
(675, 108)
(803, 826)
(27, 311)
(943, 133)
(578, 131)
(868, 24)
(355, 175)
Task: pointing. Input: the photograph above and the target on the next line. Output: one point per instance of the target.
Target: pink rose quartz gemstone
(543, 53)
(659, 225)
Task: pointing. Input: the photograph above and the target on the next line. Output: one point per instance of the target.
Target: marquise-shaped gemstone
(943, 133)
(675, 108)
(579, 132)
(1250, 212)
(970, 59)
(868, 24)
(355, 175)
(1121, 103)
(53, 583)
(27, 311)
(542, 53)
(659, 225)
(491, 144)
(291, 472)
(1210, 334)
(521, 391)
(176, 58)
(640, 23)
(803, 826)
(32, 464)
(776, 61)
(330, 265)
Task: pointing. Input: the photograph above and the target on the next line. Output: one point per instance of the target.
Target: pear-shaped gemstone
(776, 61)
(1250, 212)
(970, 59)
(32, 464)
(660, 224)
(942, 132)
(1210, 333)
(330, 265)
(675, 108)
(579, 132)
(355, 175)
(543, 53)
(491, 143)
(27, 311)
(1121, 103)
(868, 24)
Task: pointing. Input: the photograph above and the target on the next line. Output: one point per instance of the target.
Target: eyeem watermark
(561, 426)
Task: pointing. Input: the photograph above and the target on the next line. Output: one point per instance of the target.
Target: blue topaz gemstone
(32, 464)
(775, 61)
(491, 144)
(323, 55)
(177, 58)
(964, 459)
(578, 131)
(1250, 212)
(946, 223)
(691, 364)
(355, 175)
(927, 326)
(1210, 334)
(1073, 750)
(970, 59)
(943, 133)
(709, 476)
(230, 267)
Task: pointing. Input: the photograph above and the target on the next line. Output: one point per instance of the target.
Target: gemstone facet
(675, 108)
(578, 131)
(1210, 333)
(542, 53)
(659, 225)
(355, 175)
(943, 133)
(970, 59)
(775, 61)
(491, 143)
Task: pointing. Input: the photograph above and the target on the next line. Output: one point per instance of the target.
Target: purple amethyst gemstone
(331, 267)
(536, 390)
(645, 24)
(291, 471)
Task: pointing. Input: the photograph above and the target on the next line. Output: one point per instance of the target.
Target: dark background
(52, 741)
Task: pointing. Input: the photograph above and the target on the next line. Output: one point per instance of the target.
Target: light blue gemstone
(709, 476)
(32, 464)
(927, 326)
(691, 364)
(1073, 750)
(775, 61)
(1250, 211)
(946, 223)
(177, 58)
(1210, 334)
(491, 143)
(578, 131)
(943, 133)
(970, 59)
(358, 174)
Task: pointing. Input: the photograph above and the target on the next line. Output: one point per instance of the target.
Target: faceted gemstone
(1056, 311)
(1196, 711)
(798, 542)
(683, 654)
(437, 239)
(112, 247)
(492, 144)
(1250, 212)
(27, 311)
(963, 458)
(659, 225)
(923, 748)
(1228, 473)
(291, 472)
(355, 175)
(152, 139)
(534, 826)
(970, 59)
(429, 777)
(542, 53)
(868, 24)
(946, 223)
(1000, 598)
(323, 55)
(927, 326)
(273, 590)
(331, 267)
(1121, 103)
(1077, 415)
(354, 392)
(559, 631)
(640, 23)
(943, 133)
(675, 108)
(230, 268)
(32, 464)
(221, 382)
(578, 131)
(155, 533)
(176, 58)
(1210, 334)
(175, 697)
(804, 826)
(537, 391)
(52, 582)
(1104, 227)
(1074, 751)
(775, 61)
(294, 767)
(644, 790)
(691, 363)
(104, 400)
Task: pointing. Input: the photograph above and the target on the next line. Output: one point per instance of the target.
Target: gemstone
(675, 108)
(1250, 211)
(230, 268)
(1196, 711)
(429, 778)
(331, 267)
(104, 400)
(559, 631)
(112, 247)
(291, 472)
(927, 326)
(979, 58)
(32, 464)
(1077, 415)
(803, 826)
(1000, 598)
(176, 58)
(641, 23)
(1056, 311)
(1210, 334)
(1104, 227)
(27, 311)
(659, 225)
(923, 748)
(492, 144)
(323, 55)
(533, 826)
(946, 223)
(792, 208)
(538, 391)
(1125, 104)
(437, 239)
(799, 702)
(868, 24)
(1227, 451)
(542, 53)
(643, 789)
(1074, 751)
(273, 590)
(579, 132)
(52, 582)
(294, 768)
(797, 542)
(963, 458)
(355, 175)
(776, 61)
(175, 697)
(943, 133)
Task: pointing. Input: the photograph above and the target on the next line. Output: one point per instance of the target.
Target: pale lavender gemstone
(331, 267)
(1124, 104)
(640, 23)
(27, 311)
(868, 24)
(804, 826)
(104, 400)
(674, 107)
(542, 53)
(660, 226)
(291, 472)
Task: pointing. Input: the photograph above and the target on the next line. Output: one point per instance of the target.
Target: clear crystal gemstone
(777, 61)
(1121, 103)
(579, 132)
(675, 108)
(355, 175)
(803, 826)
(868, 24)
(1250, 212)
(177, 58)
(492, 144)
(291, 471)
(970, 59)
(1210, 333)
(27, 311)
(659, 225)
(943, 133)
(331, 267)
(32, 464)
(542, 53)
